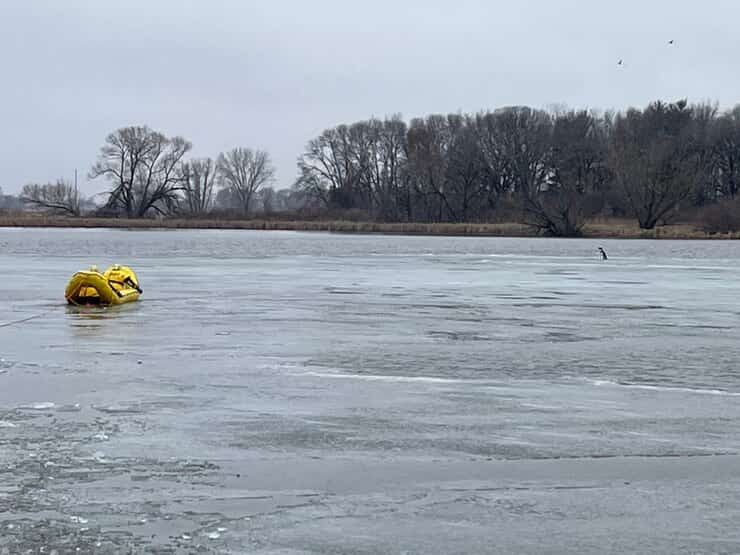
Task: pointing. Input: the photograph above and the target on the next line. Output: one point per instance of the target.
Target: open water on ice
(278, 392)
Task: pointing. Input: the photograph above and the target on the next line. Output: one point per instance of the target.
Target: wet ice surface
(313, 393)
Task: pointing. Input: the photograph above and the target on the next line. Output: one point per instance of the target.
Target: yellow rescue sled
(117, 285)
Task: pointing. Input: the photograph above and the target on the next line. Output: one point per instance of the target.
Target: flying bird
(603, 253)
(670, 41)
(619, 63)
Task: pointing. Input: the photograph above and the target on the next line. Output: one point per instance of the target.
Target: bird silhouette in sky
(620, 63)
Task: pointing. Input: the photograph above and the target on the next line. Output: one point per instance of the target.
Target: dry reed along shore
(602, 228)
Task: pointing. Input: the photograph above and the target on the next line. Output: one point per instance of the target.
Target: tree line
(550, 169)
(149, 174)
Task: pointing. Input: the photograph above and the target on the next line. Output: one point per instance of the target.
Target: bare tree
(61, 197)
(521, 159)
(393, 156)
(267, 197)
(358, 166)
(467, 175)
(445, 167)
(578, 174)
(654, 158)
(429, 143)
(144, 169)
(328, 170)
(378, 150)
(244, 171)
(702, 135)
(726, 153)
(497, 164)
(557, 167)
(199, 177)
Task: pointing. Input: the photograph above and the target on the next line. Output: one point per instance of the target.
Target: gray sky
(273, 74)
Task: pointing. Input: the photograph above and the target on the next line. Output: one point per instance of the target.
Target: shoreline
(601, 229)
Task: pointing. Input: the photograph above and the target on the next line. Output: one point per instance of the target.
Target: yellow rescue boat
(117, 285)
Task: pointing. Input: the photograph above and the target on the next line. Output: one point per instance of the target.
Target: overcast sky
(275, 73)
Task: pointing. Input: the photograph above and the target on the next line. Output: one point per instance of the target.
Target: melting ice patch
(383, 378)
(44, 405)
(666, 388)
(120, 408)
(69, 408)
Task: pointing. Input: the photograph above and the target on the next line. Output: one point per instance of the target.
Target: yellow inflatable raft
(117, 285)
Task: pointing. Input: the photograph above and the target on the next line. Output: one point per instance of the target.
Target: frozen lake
(278, 392)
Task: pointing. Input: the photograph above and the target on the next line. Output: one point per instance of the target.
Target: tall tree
(524, 140)
(429, 143)
(702, 136)
(244, 171)
(578, 174)
(382, 174)
(497, 164)
(726, 153)
(653, 156)
(144, 169)
(199, 177)
(328, 169)
(358, 166)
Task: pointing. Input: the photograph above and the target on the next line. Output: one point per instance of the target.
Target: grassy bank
(604, 228)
